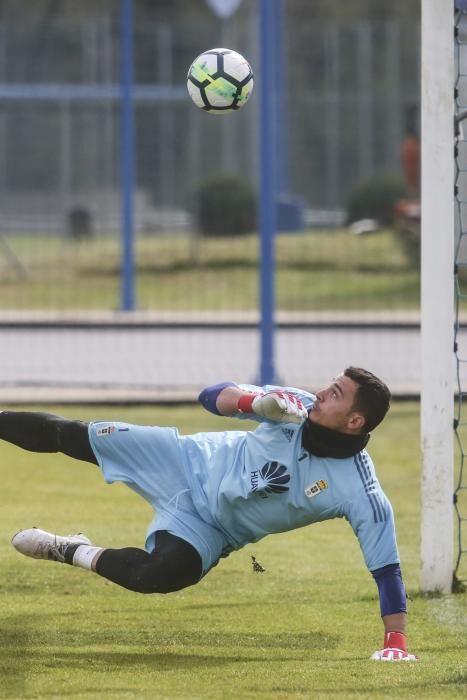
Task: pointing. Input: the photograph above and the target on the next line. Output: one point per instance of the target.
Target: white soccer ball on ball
(220, 81)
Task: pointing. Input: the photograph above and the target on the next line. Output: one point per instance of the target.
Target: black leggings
(172, 565)
(43, 432)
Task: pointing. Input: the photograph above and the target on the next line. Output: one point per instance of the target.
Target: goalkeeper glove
(395, 649)
(278, 406)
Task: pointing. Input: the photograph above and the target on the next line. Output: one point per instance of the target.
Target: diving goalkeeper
(215, 492)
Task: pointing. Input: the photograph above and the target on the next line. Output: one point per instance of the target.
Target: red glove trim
(245, 402)
(395, 640)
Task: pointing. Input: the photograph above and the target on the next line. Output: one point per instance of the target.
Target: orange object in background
(410, 153)
(410, 156)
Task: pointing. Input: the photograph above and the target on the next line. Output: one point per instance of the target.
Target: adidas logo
(289, 433)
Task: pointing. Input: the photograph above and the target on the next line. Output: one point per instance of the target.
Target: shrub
(226, 206)
(80, 223)
(375, 199)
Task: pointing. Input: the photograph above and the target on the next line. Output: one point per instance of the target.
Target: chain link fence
(346, 86)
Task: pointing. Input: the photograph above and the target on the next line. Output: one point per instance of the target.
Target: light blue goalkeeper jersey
(251, 484)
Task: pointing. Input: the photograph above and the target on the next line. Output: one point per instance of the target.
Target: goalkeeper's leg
(44, 432)
(172, 565)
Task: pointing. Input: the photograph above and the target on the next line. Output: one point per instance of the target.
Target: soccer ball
(220, 81)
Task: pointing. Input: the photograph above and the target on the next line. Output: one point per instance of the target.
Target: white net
(460, 422)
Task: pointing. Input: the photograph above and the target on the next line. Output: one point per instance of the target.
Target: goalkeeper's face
(334, 407)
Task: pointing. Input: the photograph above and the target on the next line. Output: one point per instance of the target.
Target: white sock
(85, 555)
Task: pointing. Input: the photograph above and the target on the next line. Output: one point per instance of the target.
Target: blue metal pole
(280, 82)
(267, 189)
(127, 157)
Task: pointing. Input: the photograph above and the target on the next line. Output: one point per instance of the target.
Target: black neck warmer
(325, 442)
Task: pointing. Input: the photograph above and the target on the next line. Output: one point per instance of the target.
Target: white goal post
(437, 295)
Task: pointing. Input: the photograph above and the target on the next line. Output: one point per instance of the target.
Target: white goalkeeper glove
(395, 649)
(278, 406)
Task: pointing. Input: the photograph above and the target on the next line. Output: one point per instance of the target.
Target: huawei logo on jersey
(272, 478)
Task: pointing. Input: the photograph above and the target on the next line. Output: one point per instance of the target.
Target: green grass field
(315, 270)
(303, 629)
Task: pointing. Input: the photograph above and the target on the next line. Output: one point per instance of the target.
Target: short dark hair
(372, 398)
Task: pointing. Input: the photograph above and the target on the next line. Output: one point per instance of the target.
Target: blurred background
(346, 252)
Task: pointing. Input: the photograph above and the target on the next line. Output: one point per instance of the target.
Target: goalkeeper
(215, 492)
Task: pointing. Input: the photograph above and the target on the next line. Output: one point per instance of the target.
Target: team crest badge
(108, 430)
(316, 488)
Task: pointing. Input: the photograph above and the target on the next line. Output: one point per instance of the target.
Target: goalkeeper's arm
(229, 399)
(222, 399)
(392, 598)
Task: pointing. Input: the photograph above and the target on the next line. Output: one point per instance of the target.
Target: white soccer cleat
(40, 544)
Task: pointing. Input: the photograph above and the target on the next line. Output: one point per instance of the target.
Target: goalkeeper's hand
(278, 406)
(395, 649)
